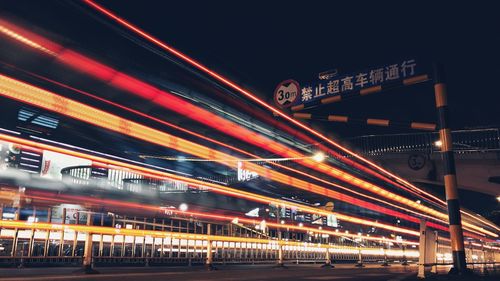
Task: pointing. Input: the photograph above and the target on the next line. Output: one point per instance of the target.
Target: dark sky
(260, 43)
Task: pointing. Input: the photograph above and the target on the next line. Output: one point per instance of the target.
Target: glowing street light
(319, 157)
(438, 143)
(183, 207)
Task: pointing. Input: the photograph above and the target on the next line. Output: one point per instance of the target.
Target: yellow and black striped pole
(450, 178)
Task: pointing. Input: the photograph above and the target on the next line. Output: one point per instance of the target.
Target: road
(224, 273)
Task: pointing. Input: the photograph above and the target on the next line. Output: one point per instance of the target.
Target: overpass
(417, 157)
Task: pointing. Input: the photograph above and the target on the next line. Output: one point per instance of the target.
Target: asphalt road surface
(223, 273)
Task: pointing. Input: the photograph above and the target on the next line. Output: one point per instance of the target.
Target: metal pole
(405, 259)
(386, 261)
(436, 248)
(360, 258)
(209, 263)
(87, 254)
(47, 236)
(280, 255)
(280, 246)
(422, 249)
(328, 258)
(450, 178)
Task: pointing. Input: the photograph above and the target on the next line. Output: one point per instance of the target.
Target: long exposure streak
(251, 96)
(229, 146)
(170, 101)
(147, 172)
(41, 98)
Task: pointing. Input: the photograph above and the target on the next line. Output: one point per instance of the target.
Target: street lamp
(183, 207)
(319, 157)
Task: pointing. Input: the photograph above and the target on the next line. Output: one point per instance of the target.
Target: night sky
(260, 43)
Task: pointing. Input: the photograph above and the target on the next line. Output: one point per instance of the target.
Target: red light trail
(41, 98)
(219, 143)
(172, 102)
(126, 82)
(275, 111)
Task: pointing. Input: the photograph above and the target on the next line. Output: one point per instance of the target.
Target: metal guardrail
(464, 141)
(10, 261)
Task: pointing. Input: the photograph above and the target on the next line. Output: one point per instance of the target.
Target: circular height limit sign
(286, 93)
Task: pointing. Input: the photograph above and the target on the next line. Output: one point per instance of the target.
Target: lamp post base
(327, 265)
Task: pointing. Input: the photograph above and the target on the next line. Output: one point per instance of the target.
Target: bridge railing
(464, 141)
(43, 244)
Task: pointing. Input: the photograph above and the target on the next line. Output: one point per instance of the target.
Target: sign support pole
(450, 178)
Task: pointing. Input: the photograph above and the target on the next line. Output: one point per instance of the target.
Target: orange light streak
(267, 106)
(32, 95)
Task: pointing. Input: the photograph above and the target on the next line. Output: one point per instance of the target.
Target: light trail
(246, 93)
(275, 111)
(105, 163)
(104, 230)
(225, 145)
(147, 172)
(60, 198)
(132, 85)
(32, 95)
(169, 158)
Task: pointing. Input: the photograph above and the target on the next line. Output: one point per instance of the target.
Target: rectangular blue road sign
(357, 81)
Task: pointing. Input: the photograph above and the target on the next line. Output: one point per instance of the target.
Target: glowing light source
(319, 157)
(183, 207)
(438, 143)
